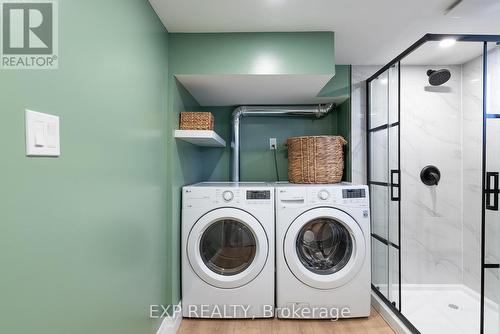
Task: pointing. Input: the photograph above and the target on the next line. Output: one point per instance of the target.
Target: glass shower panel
(491, 301)
(378, 137)
(380, 265)
(491, 265)
(434, 176)
(379, 101)
(393, 183)
(393, 223)
(393, 99)
(393, 154)
(440, 117)
(492, 213)
(379, 210)
(378, 118)
(379, 156)
(394, 276)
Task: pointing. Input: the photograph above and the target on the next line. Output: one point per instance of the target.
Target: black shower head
(439, 77)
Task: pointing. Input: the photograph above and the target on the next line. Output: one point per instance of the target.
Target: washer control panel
(194, 197)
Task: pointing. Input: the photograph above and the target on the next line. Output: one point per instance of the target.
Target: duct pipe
(317, 111)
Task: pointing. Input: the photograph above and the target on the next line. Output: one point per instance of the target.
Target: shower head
(439, 77)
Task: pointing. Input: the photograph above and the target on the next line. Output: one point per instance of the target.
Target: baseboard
(171, 324)
(386, 313)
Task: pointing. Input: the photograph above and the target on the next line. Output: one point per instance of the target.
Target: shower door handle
(492, 189)
(394, 185)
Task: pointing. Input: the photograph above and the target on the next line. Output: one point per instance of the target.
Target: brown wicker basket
(196, 121)
(315, 159)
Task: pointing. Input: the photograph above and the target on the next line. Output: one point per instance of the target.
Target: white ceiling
(432, 54)
(367, 32)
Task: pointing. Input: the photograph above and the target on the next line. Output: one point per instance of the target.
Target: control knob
(323, 195)
(227, 195)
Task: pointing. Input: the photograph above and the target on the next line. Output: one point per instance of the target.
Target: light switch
(39, 134)
(42, 134)
(52, 134)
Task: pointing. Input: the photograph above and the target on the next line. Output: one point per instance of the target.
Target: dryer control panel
(258, 194)
(297, 196)
(353, 193)
(198, 197)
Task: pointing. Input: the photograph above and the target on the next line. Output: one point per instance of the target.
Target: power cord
(276, 163)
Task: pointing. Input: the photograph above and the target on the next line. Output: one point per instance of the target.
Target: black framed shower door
(384, 176)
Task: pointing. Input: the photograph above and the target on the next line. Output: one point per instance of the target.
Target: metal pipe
(317, 111)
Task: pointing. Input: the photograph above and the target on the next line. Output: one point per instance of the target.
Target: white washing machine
(228, 250)
(323, 251)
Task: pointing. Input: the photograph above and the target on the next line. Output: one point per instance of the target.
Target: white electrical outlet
(272, 144)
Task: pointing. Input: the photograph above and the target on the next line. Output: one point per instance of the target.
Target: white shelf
(200, 137)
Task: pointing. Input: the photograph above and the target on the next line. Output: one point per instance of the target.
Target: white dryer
(323, 251)
(228, 250)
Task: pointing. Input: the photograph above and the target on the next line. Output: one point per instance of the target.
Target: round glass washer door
(324, 248)
(227, 248)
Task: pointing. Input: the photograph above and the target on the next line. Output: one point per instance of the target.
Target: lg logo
(29, 34)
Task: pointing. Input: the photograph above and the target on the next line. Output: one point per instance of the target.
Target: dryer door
(227, 248)
(324, 248)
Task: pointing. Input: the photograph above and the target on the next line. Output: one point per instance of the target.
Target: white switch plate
(42, 134)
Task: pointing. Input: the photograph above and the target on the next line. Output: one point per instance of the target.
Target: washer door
(227, 248)
(324, 248)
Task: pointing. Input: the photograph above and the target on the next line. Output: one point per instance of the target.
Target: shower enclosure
(433, 122)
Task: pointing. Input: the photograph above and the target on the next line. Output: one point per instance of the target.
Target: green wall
(257, 161)
(292, 53)
(83, 245)
(188, 164)
(183, 168)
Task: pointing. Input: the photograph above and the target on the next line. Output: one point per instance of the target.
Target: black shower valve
(430, 175)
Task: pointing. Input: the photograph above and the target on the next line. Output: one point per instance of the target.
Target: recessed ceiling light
(447, 42)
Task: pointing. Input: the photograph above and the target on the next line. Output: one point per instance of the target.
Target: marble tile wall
(432, 218)
(472, 108)
(431, 120)
(472, 118)
(492, 221)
